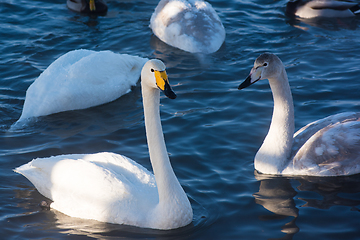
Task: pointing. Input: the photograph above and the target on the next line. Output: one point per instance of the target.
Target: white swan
(112, 188)
(327, 147)
(81, 79)
(87, 6)
(192, 25)
(322, 8)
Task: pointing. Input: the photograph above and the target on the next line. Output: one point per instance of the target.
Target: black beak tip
(171, 95)
(246, 83)
(169, 92)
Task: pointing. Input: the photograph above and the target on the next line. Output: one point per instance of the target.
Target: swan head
(154, 75)
(266, 66)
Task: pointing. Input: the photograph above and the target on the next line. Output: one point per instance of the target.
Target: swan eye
(152, 70)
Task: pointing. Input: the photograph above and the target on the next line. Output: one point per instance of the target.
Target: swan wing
(331, 147)
(81, 79)
(303, 134)
(105, 186)
(193, 26)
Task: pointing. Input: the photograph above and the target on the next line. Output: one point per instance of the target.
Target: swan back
(105, 186)
(327, 147)
(191, 25)
(81, 79)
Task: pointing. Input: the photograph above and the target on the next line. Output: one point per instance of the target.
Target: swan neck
(167, 183)
(275, 151)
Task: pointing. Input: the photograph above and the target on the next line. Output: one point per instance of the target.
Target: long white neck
(171, 194)
(274, 153)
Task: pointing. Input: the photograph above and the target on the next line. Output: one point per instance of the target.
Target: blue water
(212, 130)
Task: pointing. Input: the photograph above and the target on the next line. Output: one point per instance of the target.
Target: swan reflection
(329, 24)
(333, 191)
(277, 195)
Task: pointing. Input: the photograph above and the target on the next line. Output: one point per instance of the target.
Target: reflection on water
(83, 120)
(277, 195)
(334, 191)
(90, 21)
(174, 57)
(331, 24)
(50, 222)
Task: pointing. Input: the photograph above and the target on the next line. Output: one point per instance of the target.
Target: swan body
(322, 8)
(109, 187)
(87, 6)
(192, 25)
(81, 79)
(327, 147)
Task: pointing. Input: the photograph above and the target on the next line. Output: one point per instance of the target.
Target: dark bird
(322, 8)
(87, 6)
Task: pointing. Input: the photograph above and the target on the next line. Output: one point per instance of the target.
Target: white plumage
(112, 188)
(192, 25)
(81, 79)
(327, 147)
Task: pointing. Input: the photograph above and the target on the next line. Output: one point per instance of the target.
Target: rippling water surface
(212, 130)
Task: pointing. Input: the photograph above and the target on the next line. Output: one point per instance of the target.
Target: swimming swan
(113, 188)
(192, 25)
(327, 147)
(322, 8)
(87, 6)
(81, 79)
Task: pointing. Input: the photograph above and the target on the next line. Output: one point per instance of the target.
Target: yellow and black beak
(163, 84)
(92, 5)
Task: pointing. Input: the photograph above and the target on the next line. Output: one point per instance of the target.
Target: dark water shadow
(173, 57)
(277, 195)
(329, 24)
(334, 191)
(123, 112)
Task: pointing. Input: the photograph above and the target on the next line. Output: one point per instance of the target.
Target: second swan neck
(275, 151)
